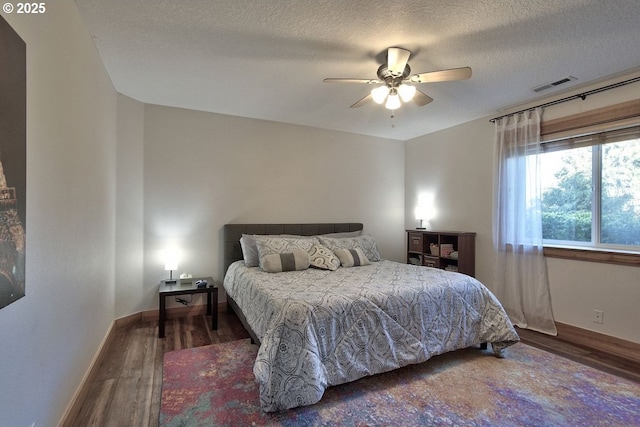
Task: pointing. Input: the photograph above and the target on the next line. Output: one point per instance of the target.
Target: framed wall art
(13, 164)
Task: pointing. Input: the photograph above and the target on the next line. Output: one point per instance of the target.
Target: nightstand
(177, 288)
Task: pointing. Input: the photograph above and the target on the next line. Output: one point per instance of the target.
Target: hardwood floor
(127, 389)
(626, 368)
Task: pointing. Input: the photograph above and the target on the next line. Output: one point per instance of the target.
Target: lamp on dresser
(422, 214)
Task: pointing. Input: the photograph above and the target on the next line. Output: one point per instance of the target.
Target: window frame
(592, 255)
(618, 116)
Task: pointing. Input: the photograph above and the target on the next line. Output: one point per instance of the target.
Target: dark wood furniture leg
(212, 299)
(162, 316)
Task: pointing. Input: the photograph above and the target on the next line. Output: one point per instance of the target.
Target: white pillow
(294, 261)
(352, 257)
(366, 243)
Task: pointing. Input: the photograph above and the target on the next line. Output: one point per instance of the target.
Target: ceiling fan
(394, 81)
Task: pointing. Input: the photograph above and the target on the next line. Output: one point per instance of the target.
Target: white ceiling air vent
(553, 84)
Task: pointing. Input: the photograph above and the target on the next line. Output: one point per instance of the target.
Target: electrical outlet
(598, 316)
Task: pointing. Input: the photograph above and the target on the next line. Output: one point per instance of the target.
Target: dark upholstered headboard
(233, 232)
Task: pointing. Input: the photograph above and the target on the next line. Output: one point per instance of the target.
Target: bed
(319, 326)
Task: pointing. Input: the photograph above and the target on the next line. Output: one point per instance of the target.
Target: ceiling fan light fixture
(406, 92)
(379, 94)
(393, 101)
(390, 88)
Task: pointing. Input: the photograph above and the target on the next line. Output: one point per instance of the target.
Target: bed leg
(483, 346)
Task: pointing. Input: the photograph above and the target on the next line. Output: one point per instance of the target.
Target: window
(591, 191)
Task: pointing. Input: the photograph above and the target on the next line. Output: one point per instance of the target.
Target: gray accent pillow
(352, 257)
(277, 263)
(249, 250)
(366, 243)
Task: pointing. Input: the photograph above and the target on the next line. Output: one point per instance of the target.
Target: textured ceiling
(266, 59)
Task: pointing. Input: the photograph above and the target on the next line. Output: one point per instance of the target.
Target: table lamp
(170, 264)
(422, 213)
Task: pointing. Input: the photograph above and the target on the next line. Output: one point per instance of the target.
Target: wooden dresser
(449, 250)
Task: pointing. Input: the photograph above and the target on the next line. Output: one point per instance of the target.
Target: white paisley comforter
(321, 328)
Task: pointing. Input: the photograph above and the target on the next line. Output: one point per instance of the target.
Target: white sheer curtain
(522, 284)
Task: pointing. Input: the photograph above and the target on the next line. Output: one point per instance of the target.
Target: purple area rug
(215, 386)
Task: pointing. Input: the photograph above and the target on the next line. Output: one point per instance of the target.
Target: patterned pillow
(250, 248)
(343, 234)
(294, 261)
(366, 243)
(268, 245)
(322, 257)
(352, 257)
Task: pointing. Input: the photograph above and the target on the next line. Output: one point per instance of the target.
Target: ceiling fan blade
(463, 73)
(397, 59)
(341, 80)
(421, 99)
(363, 101)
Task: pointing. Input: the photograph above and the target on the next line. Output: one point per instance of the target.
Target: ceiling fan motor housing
(390, 78)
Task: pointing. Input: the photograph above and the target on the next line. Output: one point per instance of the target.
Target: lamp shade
(393, 101)
(379, 94)
(170, 259)
(422, 212)
(406, 92)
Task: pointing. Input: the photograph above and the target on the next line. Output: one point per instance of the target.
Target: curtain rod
(572, 97)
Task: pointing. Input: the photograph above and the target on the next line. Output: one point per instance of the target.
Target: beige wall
(202, 170)
(129, 256)
(49, 337)
(454, 169)
(112, 181)
(456, 165)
